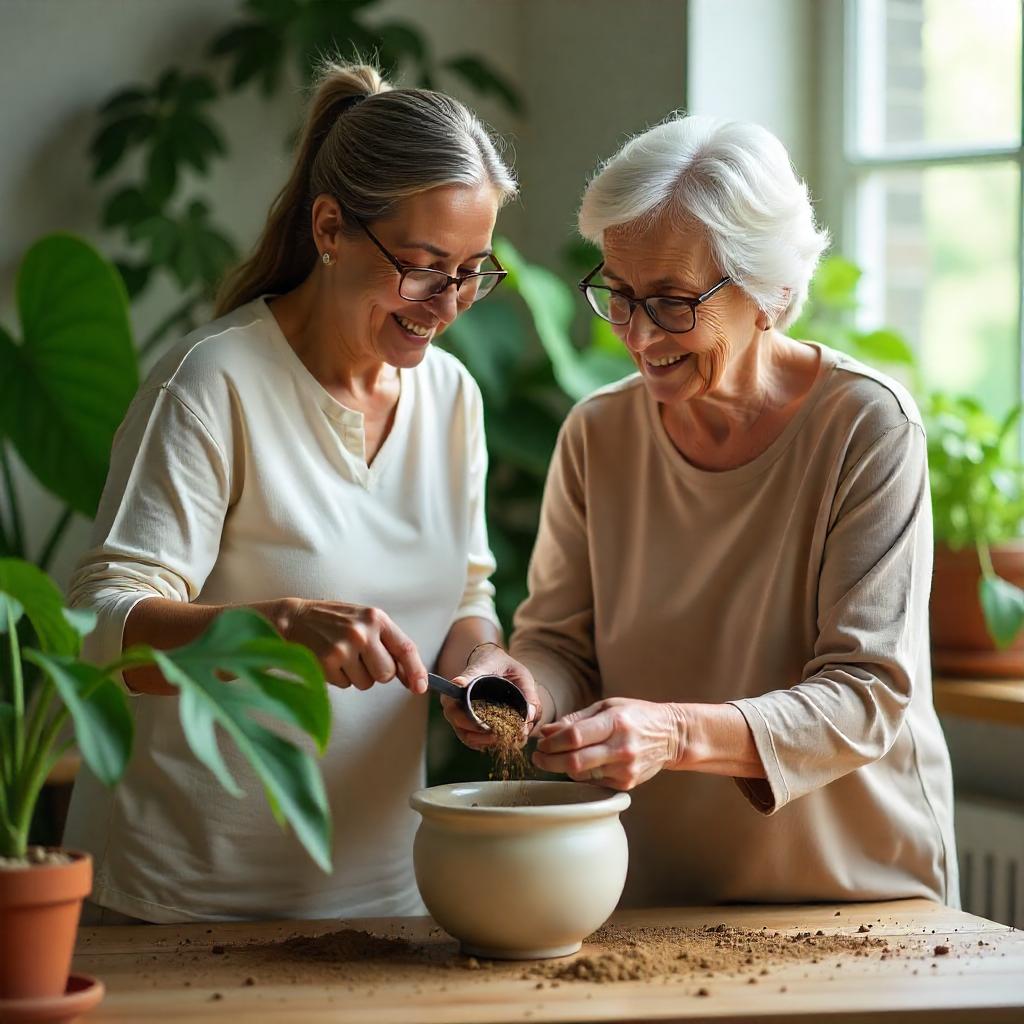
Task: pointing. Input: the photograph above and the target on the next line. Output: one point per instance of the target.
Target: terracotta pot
(39, 909)
(961, 645)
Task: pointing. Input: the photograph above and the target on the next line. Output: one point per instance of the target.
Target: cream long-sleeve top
(237, 478)
(794, 587)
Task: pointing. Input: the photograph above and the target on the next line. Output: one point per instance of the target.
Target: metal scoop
(493, 689)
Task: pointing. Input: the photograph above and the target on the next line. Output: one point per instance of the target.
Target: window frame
(844, 167)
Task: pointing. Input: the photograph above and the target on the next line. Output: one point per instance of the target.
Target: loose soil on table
(697, 956)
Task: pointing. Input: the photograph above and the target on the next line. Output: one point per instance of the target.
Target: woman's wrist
(682, 733)
(548, 709)
(716, 739)
(483, 643)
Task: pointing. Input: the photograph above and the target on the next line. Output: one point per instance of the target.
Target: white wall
(590, 71)
(758, 60)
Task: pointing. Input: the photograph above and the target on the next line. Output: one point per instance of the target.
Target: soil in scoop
(508, 759)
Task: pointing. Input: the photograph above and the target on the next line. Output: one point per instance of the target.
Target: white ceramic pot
(520, 870)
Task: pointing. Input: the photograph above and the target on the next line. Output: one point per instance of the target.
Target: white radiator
(990, 845)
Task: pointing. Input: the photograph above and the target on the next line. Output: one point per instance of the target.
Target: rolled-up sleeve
(872, 620)
(478, 595)
(158, 528)
(554, 626)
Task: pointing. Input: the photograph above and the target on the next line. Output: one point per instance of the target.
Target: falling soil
(508, 759)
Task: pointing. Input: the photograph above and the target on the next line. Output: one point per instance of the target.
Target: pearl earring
(327, 258)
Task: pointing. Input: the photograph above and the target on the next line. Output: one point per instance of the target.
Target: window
(933, 162)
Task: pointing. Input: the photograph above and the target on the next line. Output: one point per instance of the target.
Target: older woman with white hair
(732, 571)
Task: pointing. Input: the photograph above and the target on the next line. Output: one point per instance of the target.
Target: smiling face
(446, 228)
(663, 260)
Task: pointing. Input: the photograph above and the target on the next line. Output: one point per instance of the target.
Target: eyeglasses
(420, 284)
(670, 312)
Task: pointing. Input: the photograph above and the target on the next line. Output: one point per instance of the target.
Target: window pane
(937, 73)
(939, 248)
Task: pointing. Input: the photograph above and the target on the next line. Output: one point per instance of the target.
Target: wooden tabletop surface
(197, 972)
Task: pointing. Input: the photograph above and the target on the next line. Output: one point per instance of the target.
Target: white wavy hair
(734, 179)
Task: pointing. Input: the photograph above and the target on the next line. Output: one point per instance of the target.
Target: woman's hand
(357, 646)
(618, 743)
(490, 660)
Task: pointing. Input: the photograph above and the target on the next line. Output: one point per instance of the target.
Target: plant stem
(50, 547)
(32, 778)
(6, 544)
(18, 684)
(42, 699)
(41, 769)
(16, 542)
(4, 819)
(139, 656)
(985, 558)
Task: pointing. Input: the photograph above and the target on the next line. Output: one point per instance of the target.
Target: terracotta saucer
(82, 994)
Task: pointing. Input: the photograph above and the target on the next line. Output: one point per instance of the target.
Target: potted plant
(977, 606)
(238, 666)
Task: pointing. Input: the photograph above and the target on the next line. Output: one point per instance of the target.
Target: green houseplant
(238, 667)
(65, 383)
(977, 606)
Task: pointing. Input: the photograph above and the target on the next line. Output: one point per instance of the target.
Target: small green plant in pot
(977, 604)
(238, 667)
(977, 608)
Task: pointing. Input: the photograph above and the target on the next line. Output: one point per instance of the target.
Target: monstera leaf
(58, 630)
(276, 679)
(65, 389)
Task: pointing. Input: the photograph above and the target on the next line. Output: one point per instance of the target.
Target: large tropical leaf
(273, 678)
(491, 340)
(99, 710)
(66, 388)
(884, 346)
(552, 305)
(58, 631)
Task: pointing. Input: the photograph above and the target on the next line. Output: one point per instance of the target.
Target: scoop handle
(446, 686)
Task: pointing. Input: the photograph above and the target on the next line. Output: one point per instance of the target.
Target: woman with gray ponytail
(312, 455)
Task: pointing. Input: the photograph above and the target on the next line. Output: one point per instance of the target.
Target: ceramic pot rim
(597, 802)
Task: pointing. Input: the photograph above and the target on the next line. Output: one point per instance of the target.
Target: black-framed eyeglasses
(420, 284)
(671, 313)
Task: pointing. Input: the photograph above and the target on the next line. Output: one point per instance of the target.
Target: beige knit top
(795, 587)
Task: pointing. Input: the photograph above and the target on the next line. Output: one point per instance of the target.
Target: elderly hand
(357, 645)
(618, 743)
(490, 660)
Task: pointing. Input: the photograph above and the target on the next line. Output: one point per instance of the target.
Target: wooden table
(166, 973)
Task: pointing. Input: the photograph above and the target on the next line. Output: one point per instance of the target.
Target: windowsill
(986, 700)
